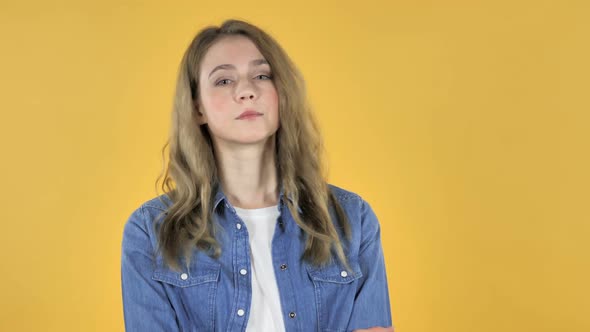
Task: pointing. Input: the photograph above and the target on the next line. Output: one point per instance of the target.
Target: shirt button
(241, 312)
(184, 276)
(343, 274)
(243, 272)
(292, 315)
(283, 267)
(239, 226)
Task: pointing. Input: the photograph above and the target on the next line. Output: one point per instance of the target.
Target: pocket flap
(334, 273)
(196, 275)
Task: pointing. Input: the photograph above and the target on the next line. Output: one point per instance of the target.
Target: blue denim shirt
(211, 295)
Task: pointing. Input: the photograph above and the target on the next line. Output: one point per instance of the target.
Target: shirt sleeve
(145, 304)
(371, 306)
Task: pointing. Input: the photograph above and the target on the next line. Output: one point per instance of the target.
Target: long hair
(191, 178)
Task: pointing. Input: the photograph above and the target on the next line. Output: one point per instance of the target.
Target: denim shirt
(214, 294)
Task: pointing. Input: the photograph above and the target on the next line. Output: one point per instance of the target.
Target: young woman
(248, 236)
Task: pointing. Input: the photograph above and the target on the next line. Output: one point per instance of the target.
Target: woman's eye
(225, 81)
(220, 81)
(268, 77)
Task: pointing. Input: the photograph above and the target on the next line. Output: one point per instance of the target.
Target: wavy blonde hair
(191, 178)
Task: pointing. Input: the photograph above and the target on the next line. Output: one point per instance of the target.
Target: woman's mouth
(249, 114)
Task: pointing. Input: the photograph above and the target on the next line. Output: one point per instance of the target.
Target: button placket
(241, 262)
(281, 241)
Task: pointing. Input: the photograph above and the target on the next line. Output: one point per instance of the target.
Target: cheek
(276, 107)
(216, 103)
(273, 98)
(273, 106)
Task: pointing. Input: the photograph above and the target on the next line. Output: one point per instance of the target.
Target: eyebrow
(256, 62)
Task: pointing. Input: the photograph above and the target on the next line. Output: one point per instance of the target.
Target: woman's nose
(246, 91)
(248, 95)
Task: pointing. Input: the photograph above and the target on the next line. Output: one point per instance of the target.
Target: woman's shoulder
(145, 215)
(359, 211)
(160, 202)
(154, 206)
(345, 196)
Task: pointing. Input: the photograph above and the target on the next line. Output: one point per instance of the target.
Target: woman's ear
(201, 117)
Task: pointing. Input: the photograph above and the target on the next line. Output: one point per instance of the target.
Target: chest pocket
(335, 291)
(192, 292)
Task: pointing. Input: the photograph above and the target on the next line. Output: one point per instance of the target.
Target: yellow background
(465, 124)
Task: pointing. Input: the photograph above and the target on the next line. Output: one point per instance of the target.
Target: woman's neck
(248, 174)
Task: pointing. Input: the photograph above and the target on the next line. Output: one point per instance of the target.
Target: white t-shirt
(265, 308)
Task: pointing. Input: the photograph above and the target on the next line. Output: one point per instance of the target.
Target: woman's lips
(249, 114)
(247, 117)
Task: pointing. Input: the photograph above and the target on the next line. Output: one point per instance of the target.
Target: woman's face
(234, 78)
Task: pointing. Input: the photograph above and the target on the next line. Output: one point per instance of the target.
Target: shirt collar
(220, 196)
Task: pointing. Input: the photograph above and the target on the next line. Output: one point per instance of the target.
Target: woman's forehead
(233, 50)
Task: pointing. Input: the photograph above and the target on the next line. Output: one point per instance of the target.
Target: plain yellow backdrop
(465, 124)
